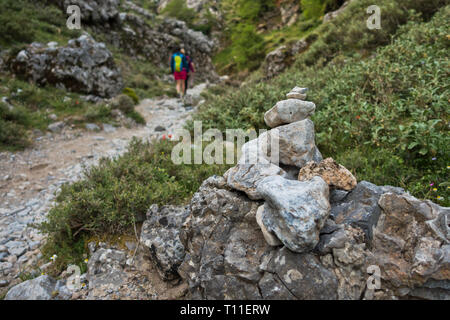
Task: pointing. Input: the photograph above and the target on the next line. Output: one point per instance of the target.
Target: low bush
(132, 94)
(124, 103)
(115, 194)
(32, 106)
(178, 9)
(348, 32)
(13, 134)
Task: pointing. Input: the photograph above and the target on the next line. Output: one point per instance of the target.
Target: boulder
(282, 57)
(95, 12)
(105, 271)
(336, 175)
(288, 111)
(359, 208)
(160, 233)
(83, 66)
(246, 177)
(409, 253)
(296, 143)
(303, 275)
(40, 288)
(295, 211)
(224, 244)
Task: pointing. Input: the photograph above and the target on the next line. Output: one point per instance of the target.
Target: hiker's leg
(186, 84)
(179, 86)
(183, 87)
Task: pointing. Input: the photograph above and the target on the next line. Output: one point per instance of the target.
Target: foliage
(24, 21)
(12, 127)
(32, 106)
(178, 9)
(246, 48)
(132, 94)
(313, 9)
(348, 32)
(124, 103)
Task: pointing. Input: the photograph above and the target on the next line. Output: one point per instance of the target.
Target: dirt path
(30, 178)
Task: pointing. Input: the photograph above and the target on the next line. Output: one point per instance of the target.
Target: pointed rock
(246, 177)
(295, 211)
(270, 237)
(288, 111)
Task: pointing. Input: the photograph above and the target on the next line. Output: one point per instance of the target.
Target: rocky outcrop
(40, 288)
(160, 233)
(224, 244)
(84, 66)
(282, 57)
(105, 271)
(303, 275)
(226, 249)
(336, 175)
(94, 11)
(43, 287)
(414, 258)
(157, 43)
(360, 207)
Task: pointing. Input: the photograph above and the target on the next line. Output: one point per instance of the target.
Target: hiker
(178, 65)
(190, 71)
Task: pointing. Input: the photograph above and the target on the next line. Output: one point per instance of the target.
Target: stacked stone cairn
(295, 187)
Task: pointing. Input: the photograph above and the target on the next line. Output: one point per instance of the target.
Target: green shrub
(33, 105)
(98, 113)
(248, 47)
(313, 9)
(15, 24)
(349, 33)
(177, 9)
(244, 49)
(25, 21)
(124, 103)
(132, 94)
(116, 194)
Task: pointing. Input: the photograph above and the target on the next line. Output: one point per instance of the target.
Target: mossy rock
(132, 94)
